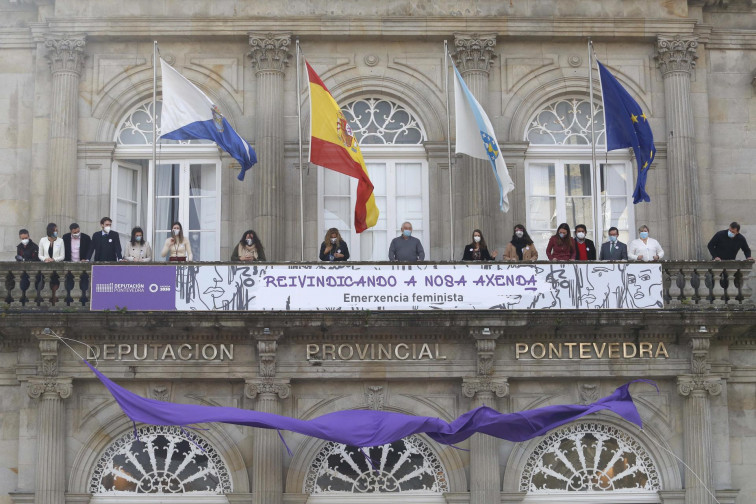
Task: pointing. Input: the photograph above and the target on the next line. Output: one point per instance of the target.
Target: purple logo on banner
(140, 288)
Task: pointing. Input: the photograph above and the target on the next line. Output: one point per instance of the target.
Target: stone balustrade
(38, 286)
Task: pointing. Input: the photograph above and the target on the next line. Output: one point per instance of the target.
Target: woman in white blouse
(644, 248)
(51, 247)
(177, 247)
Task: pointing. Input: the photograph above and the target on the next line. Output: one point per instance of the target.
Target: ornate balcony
(65, 287)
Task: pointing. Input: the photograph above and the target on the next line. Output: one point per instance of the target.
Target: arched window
(559, 175)
(187, 181)
(407, 466)
(160, 460)
(391, 139)
(591, 458)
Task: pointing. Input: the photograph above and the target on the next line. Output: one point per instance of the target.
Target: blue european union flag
(627, 126)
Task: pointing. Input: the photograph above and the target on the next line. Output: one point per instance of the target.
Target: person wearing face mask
(106, 245)
(333, 248)
(725, 244)
(51, 247)
(521, 248)
(561, 246)
(137, 249)
(27, 250)
(76, 244)
(644, 248)
(249, 248)
(478, 249)
(406, 247)
(177, 247)
(613, 250)
(585, 250)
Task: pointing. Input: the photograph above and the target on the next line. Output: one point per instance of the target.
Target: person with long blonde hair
(333, 248)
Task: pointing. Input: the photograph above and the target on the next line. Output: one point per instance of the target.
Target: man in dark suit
(77, 244)
(106, 245)
(585, 250)
(613, 250)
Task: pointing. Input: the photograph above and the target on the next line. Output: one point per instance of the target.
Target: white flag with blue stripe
(189, 114)
(476, 137)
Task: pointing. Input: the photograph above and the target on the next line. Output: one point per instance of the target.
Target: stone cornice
(396, 26)
(732, 39)
(16, 38)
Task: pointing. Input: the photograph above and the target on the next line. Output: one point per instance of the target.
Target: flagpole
(595, 185)
(153, 166)
(448, 149)
(301, 168)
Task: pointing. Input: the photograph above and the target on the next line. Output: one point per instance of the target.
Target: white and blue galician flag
(476, 137)
(189, 114)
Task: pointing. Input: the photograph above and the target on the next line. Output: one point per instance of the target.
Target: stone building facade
(77, 119)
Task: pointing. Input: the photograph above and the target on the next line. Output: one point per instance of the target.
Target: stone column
(696, 388)
(50, 390)
(476, 201)
(66, 56)
(267, 449)
(270, 56)
(485, 479)
(676, 58)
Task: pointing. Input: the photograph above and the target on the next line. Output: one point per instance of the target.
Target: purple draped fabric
(365, 428)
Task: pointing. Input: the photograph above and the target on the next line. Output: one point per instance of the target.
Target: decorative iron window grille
(589, 457)
(160, 460)
(566, 121)
(376, 121)
(404, 466)
(136, 128)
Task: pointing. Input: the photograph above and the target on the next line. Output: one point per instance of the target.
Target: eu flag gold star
(643, 115)
(634, 118)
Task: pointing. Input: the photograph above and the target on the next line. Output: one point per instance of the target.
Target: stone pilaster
(50, 389)
(270, 56)
(696, 388)
(676, 58)
(267, 451)
(485, 479)
(476, 202)
(66, 56)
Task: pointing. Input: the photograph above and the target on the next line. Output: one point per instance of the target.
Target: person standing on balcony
(521, 248)
(106, 245)
(26, 250)
(177, 247)
(561, 246)
(249, 248)
(725, 244)
(138, 249)
(333, 248)
(478, 249)
(613, 250)
(76, 244)
(51, 247)
(644, 248)
(406, 247)
(585, 250)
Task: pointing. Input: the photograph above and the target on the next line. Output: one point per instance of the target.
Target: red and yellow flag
(333, 146)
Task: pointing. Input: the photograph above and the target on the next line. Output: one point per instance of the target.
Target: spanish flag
(333, 146)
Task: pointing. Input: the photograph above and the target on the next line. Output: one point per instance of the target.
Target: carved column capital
(688, 385)
(676, 54)
(474, 52)
(270, 51)
(699, 379)
(471, 386)
(279, 387)
(45, 386)
(66, 52)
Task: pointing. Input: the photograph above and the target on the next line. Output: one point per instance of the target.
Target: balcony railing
(65, 287)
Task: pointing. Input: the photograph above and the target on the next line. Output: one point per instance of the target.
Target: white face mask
(519, 234)
(176, 231)
(25, 241)
(476, 239)
(106, 229)
(249, 241)
(76, 235)
(334, 240)
(581, 235)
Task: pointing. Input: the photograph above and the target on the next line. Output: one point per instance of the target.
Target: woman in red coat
(561, 246)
